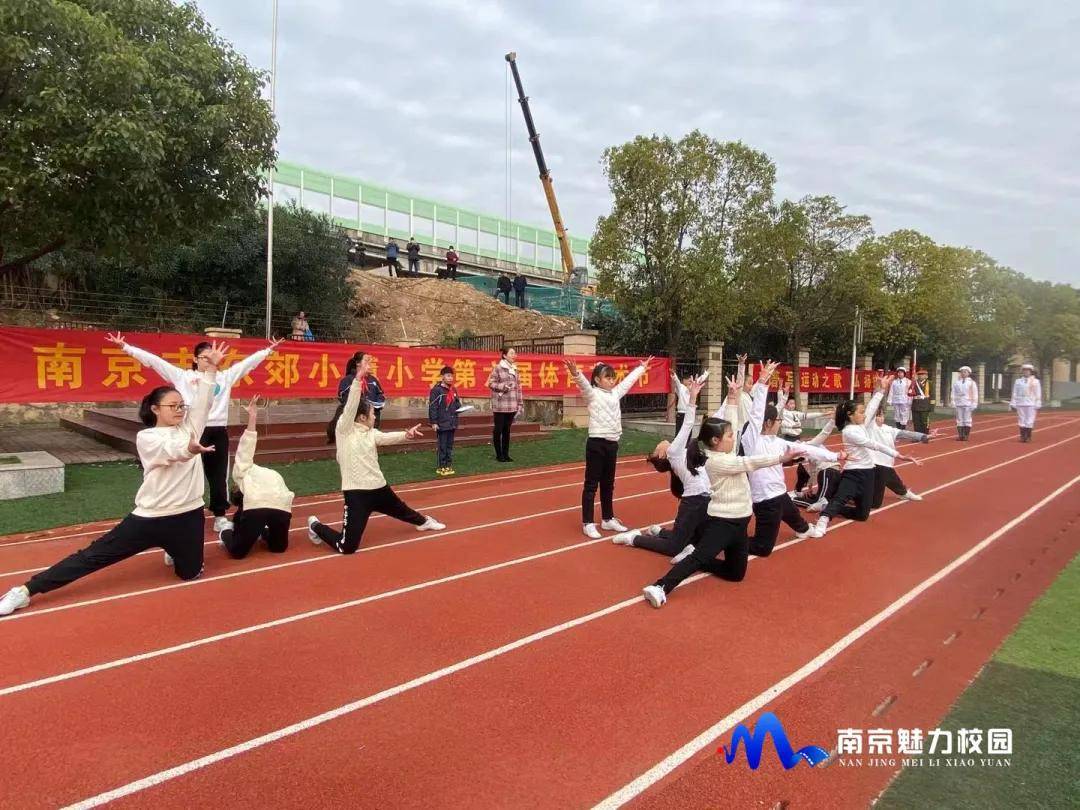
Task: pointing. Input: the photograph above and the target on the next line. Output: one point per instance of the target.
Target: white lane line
(755, 704)
(635, 787)
(416, 587)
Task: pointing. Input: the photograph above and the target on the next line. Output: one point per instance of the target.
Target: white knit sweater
(263, 488)
(605, 412)
(357, 453)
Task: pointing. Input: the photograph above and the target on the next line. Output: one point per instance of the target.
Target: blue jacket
(392, 250)
(374, 394)
(439, 413)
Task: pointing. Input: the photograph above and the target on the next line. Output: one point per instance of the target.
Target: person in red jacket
(451, 263)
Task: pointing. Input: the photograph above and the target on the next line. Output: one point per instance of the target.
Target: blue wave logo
(754, 742)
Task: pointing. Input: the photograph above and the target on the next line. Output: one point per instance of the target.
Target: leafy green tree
(1051, 324)
(123, 124)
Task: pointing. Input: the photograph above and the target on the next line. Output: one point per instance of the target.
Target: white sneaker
(804, 535)
(654, 530)
(793, 494)
(222, 523)
(314, 538)
(430, 524)
(682, 555)
(613, 525)
(590, 530)
(813, 533)
(822, 525)
(912, 496)
(654, 595)
(818, 505)
(625, 539)
(15, 599)
(168, 559)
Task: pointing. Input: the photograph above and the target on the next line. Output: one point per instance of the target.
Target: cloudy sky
(960, 119)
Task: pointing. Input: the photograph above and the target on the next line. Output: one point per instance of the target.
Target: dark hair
(147, 416)
(331, 427)
(236, 498)
(711, 428)
(202, 344)
(843, 414)
(504, 350)
(353, 364)
(791, 398)
(662, 465)
(771, 415)
(447, 370)
(601, 370)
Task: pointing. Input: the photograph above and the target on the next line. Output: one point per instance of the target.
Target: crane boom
(545, 175)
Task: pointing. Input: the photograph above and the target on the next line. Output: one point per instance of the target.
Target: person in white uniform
(900, 398)
(965, 399)
(1026, 400)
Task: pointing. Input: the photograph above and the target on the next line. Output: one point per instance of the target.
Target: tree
(997, 309)
(668, 251)
(1051, 325)
(807, 257)
(123, 123)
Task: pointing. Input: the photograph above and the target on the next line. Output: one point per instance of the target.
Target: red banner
(58, 365)
(823, 379)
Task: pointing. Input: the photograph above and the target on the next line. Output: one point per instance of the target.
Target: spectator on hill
(503, 287)
(451, 263)
(299, 326)
(413, 249)
(392, 257)
(520, 283)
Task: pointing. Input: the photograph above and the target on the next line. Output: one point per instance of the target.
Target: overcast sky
(958, 119)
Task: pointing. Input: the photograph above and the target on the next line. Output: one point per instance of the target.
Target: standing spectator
(300, 326)
(451, 263)
(413, 249)
(519, 290)
(506, 401)
(391, 257)
(443, 406)
(503, 287)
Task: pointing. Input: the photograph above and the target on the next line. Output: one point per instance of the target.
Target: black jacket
(505, 284)
(439, 413)
(520, 283)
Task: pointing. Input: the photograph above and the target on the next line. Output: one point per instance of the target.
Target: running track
(510, 661)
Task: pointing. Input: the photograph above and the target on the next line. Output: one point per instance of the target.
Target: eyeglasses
(178, 407)
(202, 357)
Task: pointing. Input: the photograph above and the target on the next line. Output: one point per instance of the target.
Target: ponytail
(843, 413)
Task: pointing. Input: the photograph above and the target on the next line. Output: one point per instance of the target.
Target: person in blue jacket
(373, 393)
(443, 406)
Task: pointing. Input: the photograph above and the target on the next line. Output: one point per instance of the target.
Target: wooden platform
(297, 432)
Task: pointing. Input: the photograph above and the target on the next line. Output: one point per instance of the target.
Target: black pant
(378, 417)
(802, 477)
(272, 525)
(921, 420)
(393, 264)
(828, 480)
(216, 468)
(414, 266)
(180, 535)
(680, 417)
(689, 525)
(452, 271)
(359, 504)
(767, 517)
(855, 485)
(444, 453)
(886, 477)
(500, 436)
(519, 298)
(727, 535)
(600, 458)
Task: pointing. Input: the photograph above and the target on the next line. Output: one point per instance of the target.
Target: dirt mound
(430, 310)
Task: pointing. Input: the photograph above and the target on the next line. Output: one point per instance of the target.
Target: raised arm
(239, 369)
(199, 412)
(164, 369)
(813, 451)
(346, 423)
(682, 393)
(580, 379)
(626, 383)
(245, 450)
(823, 434)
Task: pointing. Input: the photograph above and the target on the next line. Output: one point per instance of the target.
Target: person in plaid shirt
(506, 401)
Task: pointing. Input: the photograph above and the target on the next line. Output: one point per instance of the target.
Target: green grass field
(1032, 685)
(103, 491)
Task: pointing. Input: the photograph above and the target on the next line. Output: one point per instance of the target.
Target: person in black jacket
(443, 406)
(520, 283)
(413, 249)
(373, 393)
(503, 287)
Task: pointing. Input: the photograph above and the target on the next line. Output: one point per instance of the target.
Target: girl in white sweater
(885, 475)
(264, 503)
(1026, 400)
(603, 393)
(216, 432)
(168, 510)
(729, 510)
(362, 482)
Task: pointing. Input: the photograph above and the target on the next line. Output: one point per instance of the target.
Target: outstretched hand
(414, 432)
(694, 390)
(197, 449)
(274, 343)
(733, 389)
(913, 460)
(118, 339)
(252, 408)
(571, 365)
(216, 353)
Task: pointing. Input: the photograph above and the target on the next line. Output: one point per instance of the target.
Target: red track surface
(566, 719)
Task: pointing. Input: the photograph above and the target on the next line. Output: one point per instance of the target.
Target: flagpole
(854, 350)
(270, 210)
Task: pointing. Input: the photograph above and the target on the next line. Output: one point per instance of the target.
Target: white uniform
(900, 399)
(965, 399)
(1026, 400)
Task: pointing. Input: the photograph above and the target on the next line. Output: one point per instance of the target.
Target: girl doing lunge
(885, 474)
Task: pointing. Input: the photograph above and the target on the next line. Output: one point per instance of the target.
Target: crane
(545, 175)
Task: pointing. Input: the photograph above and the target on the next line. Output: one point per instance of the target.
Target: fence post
(574, 409)
(711, 358)
(802, 401)
(866, 363)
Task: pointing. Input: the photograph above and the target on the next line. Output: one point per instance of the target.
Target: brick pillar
(711, 358)
(866, 363)
(574, 409)
(980, 380)
(802, 400)
(937, 393)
